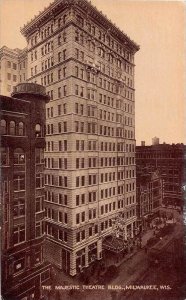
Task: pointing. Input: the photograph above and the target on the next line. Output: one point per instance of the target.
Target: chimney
(155, 141)
(142, 143)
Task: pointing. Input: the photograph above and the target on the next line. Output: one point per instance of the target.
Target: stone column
(72, 263)
(132, 235)
(99, 249)
(86, 256)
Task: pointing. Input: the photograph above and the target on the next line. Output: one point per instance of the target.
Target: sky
(158, 27)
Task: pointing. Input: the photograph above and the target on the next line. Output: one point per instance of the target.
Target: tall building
(87, 66)
(22, 192)
(13, 66)
(169, 161)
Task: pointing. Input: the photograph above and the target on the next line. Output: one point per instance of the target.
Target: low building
(169, 161)
(22, 192)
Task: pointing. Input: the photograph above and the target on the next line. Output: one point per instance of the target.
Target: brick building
(13, 66)
(169, 161)
(149, 195)
(87, 66)
(22, 192)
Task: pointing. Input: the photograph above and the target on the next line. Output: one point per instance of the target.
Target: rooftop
(84, 4)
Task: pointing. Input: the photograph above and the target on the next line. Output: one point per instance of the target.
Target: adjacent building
(149, 193)
(169, 161)
(22, 192)
(13, 66)
(87, 66)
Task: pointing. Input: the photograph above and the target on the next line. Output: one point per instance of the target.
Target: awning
(115, 245)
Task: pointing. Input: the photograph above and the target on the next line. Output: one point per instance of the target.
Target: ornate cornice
(87, 8)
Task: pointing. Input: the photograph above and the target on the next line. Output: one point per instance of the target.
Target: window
(14, 66)
(65, 145)
(38, 130)
(65, 108)
(77, 200)
(39, 180)
(59, 40)
(38, 229)
(59, 92)
(3, 127)
(64, 72)
(59, 56)
(59, 127)
(4, 156)
(19, 234)
(39, 204)
(60, 216)
(65, 126)
(64, 54)
(77, 218)
(19, 263)
(19, 207)
(77, 163)
(65, 218)
(20, 128)
(37, 255)
(19, 182)
(9, 76)
(19, 156)
(65, 90)
(12, 128)
(39, 156)
(59, 109)
(65, 182)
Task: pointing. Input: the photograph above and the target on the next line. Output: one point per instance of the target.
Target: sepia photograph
(93, 149)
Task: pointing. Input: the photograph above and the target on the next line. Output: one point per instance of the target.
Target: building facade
(22, 192)
(169, 161)
(149, 193)
(87, 66)
(13, 66)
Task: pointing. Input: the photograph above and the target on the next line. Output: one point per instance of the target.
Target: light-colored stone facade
(13, 64)
(87, 66)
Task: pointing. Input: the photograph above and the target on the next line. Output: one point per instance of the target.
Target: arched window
(19, 156)
(38, 130)
(3, 127)
(12, 128)
(21, 128)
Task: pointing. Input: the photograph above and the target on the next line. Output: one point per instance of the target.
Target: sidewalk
(131, 267)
